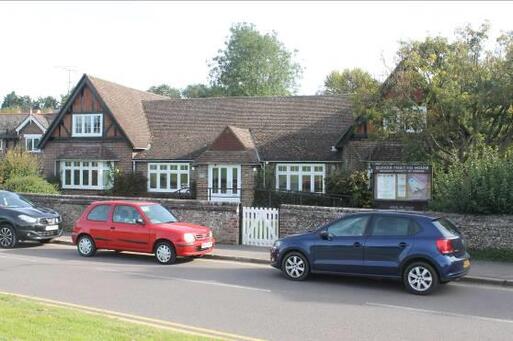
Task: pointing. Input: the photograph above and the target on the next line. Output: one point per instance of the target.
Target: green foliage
(494, 255)
(18, 163)
(355, 184)
(350, 81)
(13, 102)
(29, 184)
(483, 183)
(128, 184)
(165, 90)
(201, 91)
(254, 64)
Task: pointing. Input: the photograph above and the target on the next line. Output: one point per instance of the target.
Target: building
(24, 129)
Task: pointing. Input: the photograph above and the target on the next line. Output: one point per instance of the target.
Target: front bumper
(275, 257)
(195, 249)
(37, 232)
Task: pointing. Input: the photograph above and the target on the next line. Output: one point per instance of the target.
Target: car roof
(124, 202)
(411, 214)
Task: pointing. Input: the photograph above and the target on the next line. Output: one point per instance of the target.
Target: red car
(140, 227)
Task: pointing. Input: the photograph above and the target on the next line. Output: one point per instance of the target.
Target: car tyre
(165, 253)
(8, 239)
(420, 278)
(86, 246)
(295, 266)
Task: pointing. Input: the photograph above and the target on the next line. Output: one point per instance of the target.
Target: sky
(140, 44)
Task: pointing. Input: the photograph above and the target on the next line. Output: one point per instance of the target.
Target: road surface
(255, 300)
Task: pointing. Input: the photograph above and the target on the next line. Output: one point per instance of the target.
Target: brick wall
(480, 231)
(223, 218)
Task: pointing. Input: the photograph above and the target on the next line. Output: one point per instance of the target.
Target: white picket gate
(260, 226)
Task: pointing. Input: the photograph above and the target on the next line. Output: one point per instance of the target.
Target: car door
(340, 246)
(389, 241)
(129, 229)
(98, 223)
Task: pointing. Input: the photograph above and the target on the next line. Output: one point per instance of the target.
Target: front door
(342, 250)
(224, 183)
(128, 234)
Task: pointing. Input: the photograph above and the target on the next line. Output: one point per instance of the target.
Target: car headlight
(188, 237)
(210, 234)
(28, 219)
(277, 244)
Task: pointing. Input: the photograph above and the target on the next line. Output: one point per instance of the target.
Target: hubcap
(85, 246)
(6, 237)
(163, 253)
(420, 278)
(295, 266)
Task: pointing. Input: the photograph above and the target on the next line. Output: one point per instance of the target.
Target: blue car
(420, 250)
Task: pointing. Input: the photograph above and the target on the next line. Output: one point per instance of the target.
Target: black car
(20, 219)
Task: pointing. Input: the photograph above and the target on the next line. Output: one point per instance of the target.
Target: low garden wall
(480, 231)
(223, 218)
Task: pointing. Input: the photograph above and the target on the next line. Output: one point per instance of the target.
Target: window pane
(173, 167)
(163, 181)
(306, 168)
(67, 177)
(235, 178)
(294, 168)
(85, 177)
(153, 180)
(184, 180)
(76, 177)
(349, 227)
(99, 213)
(282, 182)
(184, 167)
(319, 169)
(174, 180)
(282, 168)
(67, 164)
(224, 179)
(94, 177)
(318, 183)
(215, 179)
(163, 167)
(87, 125)
(294, 182)
(125, 215)
(153, 167)
(306, 183)
(97, 124)
(391, 226)
(85, 164)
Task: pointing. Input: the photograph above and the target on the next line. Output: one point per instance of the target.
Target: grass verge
(24, 319)
(495, 255)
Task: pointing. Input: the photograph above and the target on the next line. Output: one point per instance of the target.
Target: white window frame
(216, 194)
(1, 144)
(101, 168)
(168, 171)
(301, 173)
(86, 117)
(30, 138)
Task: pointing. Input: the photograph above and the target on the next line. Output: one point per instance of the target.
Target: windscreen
(158, 214)
(12, 200)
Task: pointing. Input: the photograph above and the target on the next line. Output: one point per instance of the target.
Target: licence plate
(466, 263)
(206, 245)
(52, 227)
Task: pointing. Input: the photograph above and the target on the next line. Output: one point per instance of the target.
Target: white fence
(259, 226)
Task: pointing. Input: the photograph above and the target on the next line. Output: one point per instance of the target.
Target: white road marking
(436, 312)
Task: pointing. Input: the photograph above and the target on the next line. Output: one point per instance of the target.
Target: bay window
(86, 174)
(167, 177)
(88, 125)
(300, 177)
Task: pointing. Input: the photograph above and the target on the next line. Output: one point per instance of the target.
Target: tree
(165, 90)
(12, 100)
(201, 90)
(254, 64)
(46, 103)
(350, 81)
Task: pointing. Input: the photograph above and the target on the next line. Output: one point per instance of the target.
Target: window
(1, 144)
(167, 177)
(99, 213)
(158, 214)
(89, 125)
(125, 215)
(86, 174)
(300, 177)
(349, 227)
(393, 226)
(31, 142)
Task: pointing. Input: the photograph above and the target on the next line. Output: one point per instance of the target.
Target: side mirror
(325, 235)
(139, 221)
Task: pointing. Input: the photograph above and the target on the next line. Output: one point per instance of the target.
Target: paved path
(255, 300)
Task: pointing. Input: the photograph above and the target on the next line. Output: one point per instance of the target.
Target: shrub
(355, 184)
(483, 183)
(128, 184)
(29, 184)
(18, 163)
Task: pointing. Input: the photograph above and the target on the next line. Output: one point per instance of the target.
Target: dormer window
(87, 125)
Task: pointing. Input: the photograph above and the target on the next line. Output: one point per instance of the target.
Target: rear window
(99, 213)
(446, 227)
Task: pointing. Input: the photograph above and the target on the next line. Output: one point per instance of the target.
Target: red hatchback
(140, 227)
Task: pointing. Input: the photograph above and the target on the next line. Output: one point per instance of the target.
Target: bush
(483, 183)
(29, 184)
(128, 184)
(355, 184)
(18, 163)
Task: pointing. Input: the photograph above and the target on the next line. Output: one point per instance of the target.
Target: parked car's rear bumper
(454, 267)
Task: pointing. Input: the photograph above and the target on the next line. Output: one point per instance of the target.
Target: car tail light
(444, 246)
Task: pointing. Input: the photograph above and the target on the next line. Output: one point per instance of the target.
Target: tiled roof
(91, 152)
(9, 122)
(125, 104)
(295, 128)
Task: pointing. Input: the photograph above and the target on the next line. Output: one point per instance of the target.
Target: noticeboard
(402, 182)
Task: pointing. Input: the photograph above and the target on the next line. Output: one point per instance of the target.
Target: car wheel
(295, 266)
(420, 278)
(86, 246)
(165, 253)
(8, 238)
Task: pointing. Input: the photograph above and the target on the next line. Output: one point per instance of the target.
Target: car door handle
(357, 244)
(403, 245)
(112, 228)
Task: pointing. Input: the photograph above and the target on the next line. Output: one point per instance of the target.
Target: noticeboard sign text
(402, 182)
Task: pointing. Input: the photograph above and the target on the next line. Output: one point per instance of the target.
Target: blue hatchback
(420, 250)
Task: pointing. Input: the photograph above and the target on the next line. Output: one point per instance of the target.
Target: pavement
(483, 272)
(248, 300)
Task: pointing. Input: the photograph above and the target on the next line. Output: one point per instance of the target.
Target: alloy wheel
(420, 278)
(163, 253)
(295, 266)
(6, 237)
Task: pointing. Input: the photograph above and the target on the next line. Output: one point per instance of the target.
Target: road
(255, 300)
